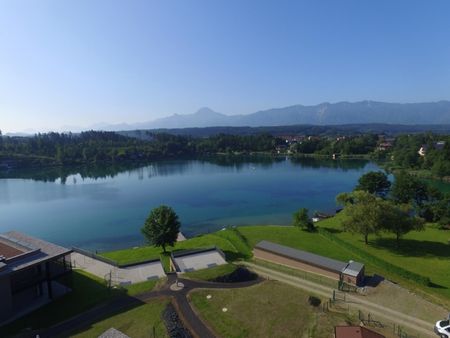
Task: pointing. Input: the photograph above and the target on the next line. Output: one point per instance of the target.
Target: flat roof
(8, 250)
(304, 256)
(353, 268)
(28, 251)
(198, 259)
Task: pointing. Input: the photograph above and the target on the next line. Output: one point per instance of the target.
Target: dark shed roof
(306, 257)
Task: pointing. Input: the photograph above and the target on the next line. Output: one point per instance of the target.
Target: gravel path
(406, 321)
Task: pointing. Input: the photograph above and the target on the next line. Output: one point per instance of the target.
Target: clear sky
(87, 61)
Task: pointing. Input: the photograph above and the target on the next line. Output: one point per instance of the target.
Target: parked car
(442, 328)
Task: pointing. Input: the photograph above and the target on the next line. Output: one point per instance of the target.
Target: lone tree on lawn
(161, 227)
(301, 220)
(374, 182)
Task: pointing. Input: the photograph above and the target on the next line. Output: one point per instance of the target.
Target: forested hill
(110, 147)
(313, 130)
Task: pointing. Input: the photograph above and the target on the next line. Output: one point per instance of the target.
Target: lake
(104, 207)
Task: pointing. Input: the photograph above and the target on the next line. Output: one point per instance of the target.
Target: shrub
(314, 301)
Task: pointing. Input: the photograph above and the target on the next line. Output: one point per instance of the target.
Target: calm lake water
(103, 208)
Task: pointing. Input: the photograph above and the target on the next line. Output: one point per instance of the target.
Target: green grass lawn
(269, 309)
(295, 238)
(226, 240)
(141, 321)
(87, 292)
(211, 273)
(424, 252)
(134, 289)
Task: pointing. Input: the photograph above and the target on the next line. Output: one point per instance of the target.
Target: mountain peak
(206, 111)
(325, 113)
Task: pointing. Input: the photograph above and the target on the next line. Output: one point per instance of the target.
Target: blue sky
(82, 62)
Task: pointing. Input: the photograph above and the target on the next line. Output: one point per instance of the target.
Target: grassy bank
(142, 321)
(227, 240)
(212, 273)
(426, 253)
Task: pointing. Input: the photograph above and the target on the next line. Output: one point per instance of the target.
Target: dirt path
(406, 321)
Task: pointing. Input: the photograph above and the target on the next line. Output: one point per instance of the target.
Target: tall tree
(301, 219)
(161, 227)
(374, 182)
(399, 220)
(408, 189)
(362, 213)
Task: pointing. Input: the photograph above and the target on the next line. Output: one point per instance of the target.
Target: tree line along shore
(425, 154)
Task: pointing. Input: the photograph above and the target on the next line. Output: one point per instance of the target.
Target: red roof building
(355, 332)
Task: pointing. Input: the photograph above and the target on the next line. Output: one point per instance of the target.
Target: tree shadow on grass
(110, 312)
(86, 293)
(413, 248)
(437, 286)
(333, 230)
(234, 256)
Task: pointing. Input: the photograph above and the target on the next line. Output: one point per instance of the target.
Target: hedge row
(377, 261)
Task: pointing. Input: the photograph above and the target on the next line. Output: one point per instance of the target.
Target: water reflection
(74, 174)
(103, 207)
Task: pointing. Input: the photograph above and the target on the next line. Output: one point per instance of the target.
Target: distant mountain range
(322, 114)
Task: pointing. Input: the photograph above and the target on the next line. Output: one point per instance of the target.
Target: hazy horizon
(77, 64)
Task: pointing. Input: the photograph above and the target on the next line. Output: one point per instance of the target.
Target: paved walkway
(418, 325)
(181, 303)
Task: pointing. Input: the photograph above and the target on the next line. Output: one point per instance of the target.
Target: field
(141, 321)
(270, 309)
(424, 252)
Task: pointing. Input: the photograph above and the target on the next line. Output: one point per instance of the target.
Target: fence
(339, 304)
